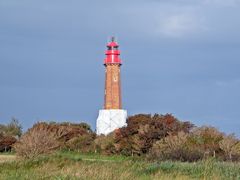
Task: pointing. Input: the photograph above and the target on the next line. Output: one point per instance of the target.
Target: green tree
(206, 139)
(14, 128)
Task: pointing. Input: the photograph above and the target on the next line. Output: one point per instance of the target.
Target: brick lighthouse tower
(112, 116)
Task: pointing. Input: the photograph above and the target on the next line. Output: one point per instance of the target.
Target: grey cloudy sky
(179, 56)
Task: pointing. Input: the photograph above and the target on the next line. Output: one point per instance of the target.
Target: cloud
(165, 20)
(210, 20)
(180, 25)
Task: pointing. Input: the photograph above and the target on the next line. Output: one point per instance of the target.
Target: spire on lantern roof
(113, 42)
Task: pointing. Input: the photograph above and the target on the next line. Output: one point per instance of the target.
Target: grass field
(7, 158)
(68, 165)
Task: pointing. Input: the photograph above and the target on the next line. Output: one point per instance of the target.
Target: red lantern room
(112, 53)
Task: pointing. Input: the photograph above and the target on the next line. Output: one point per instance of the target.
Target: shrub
(105, 144)
(9, 134)
(6, 143)
(143, 130)
(174, 147)
(1, 135)
(206, 139)
(55, 136)
(84, 143)
(35, 143)
(231, 147)
(202, 142)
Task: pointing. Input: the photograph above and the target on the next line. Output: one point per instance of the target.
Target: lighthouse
(112, 116)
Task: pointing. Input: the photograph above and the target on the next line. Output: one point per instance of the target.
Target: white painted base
(109, 120)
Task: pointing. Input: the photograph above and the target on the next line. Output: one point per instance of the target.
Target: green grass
(70, 165)
(95, 156)
(209, 169)
(7, 153)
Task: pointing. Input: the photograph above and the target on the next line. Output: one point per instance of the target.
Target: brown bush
(44, 138)
(174, 147)
(35, 143)
(105, 144)
(6, 143)
(62, 131)
(144, 130)
(201, 143)
(206, 139)
(141, 132)
(231, 147)
(84, 143)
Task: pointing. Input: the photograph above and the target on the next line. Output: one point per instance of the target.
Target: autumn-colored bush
(175, 147)
(6, 143)
(105, 144)
(35, 143)
(159, 137)
(84, 143)
(45, 137)
(141, 132)
(207, 140)
(144, 130)
(231, 147)
(200, 143)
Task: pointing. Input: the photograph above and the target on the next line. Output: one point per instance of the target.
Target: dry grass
(97, 167)
(7, 158)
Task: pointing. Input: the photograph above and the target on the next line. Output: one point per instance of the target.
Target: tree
(14, 128)
(206, 139)
(230, 145)
(9, 134)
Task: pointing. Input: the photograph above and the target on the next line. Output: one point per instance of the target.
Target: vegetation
(70, 165)
(149, 147)
(199, 144)
(12, 129)
(157, 137)
(9, 134)
(163, 137)
(141, 132)
(35, 143)
(45, 138)
(230, 145)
